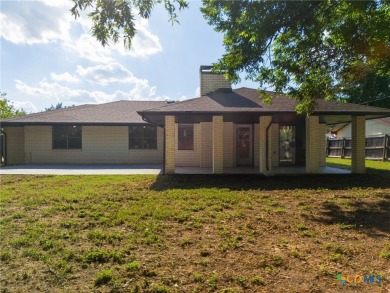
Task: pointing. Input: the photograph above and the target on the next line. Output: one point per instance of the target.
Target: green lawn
(372, 166)
(193, 233)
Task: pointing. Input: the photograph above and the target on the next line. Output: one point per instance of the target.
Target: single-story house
(223, 128)
(374, 127)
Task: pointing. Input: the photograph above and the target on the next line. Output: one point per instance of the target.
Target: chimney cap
(206, 69)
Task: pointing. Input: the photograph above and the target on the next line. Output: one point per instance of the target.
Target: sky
(48, 57)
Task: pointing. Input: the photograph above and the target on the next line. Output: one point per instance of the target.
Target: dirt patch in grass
(194, 233)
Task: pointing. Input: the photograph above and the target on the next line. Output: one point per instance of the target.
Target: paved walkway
(81, 169)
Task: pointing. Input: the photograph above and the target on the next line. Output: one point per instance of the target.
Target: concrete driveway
(81, 169)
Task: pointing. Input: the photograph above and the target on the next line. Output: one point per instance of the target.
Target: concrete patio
(153, 169)
(293, 170)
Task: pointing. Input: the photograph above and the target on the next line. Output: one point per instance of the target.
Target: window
(186, 137)
(67, 137)
(143, 137)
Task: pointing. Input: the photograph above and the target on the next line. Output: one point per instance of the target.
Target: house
(374, 127)
(222, 129)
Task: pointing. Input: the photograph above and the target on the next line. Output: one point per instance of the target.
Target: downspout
(266, 141)
(5, 146)
(146, 120)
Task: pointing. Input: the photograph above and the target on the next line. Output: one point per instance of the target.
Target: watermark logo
(358, 279)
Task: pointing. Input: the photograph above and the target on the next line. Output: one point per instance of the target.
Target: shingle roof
(116, 113)
(247, 100)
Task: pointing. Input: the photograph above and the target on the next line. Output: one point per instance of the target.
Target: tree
(114, 19)
(7, 109)
(324, 49)
(58, 106)
(310, 49)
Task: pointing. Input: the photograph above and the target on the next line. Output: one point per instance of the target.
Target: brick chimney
(211, 82)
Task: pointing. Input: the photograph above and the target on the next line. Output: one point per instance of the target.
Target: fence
(377, 147)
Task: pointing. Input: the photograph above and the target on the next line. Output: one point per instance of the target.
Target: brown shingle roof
(248, 100)
(116, 113)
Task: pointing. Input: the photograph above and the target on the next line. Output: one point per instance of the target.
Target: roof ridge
(48, 111)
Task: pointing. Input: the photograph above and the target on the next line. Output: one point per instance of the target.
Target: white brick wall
(100, 145)
(264, 122)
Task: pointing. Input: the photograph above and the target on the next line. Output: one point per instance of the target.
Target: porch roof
(246, 100)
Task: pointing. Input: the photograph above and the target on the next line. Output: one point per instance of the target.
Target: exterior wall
(373, 127)
(312, 144)
(274, 149)
(206, 145)
(228, 144)
(256, 145)
(322, 145)
(15, 145)
(264, 122)
(100, 145)
(210, 82)
(189, 158)
(170, 145)
(358, 151)
(218, 144)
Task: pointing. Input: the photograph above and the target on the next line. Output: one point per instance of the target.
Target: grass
(193, 233)
(371, 165)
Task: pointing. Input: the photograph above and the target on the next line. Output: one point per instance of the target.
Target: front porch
(290, 170)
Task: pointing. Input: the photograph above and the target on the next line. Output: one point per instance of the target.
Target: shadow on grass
(247, 182)
(362, 216)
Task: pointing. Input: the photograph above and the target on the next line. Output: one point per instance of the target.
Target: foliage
(311, 49)
(114, 19)
(58, 106)
(7, 109)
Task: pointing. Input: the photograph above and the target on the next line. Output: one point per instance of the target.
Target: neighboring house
(223, 128)
(373, 127)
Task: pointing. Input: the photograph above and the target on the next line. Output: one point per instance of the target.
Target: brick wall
(358, 144)
(228, 144)
(100, 145)
(312, 144)
(15, 145)
(217, 144)
(210, 82)
(263, 124)
(321, 145)
(256, 145)
(206, 156)
(274, 149)
(170, 144)
(189, 158)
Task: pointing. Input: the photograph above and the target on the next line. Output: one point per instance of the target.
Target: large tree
(7, 109)
(309, 49)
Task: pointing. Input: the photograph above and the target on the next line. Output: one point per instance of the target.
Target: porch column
(217, 144)
(170, 145)
(312, 144)
(358, 144)
(264, 121)
(322, 145)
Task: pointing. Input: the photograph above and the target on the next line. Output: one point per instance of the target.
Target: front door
(287, 145)
(244, 143)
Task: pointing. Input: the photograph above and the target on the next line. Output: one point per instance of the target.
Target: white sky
(47, 57)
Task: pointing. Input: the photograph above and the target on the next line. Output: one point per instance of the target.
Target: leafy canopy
(7, 109)
(114, 19)
(309, 49)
